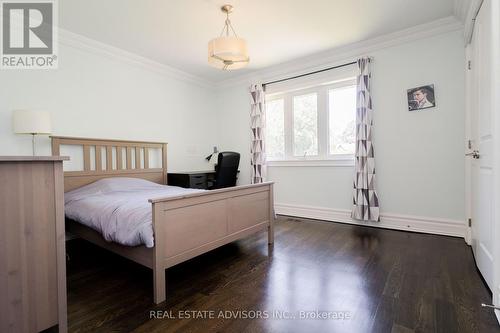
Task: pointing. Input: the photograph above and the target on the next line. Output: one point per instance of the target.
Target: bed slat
(119, 158)
(109, 158)
(146, 158)
(129, 158)
(86, 158)
(98, 160)
(137, 157)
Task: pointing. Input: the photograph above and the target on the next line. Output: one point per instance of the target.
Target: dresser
(32, 244)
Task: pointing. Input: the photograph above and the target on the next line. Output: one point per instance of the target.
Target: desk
(192, 179)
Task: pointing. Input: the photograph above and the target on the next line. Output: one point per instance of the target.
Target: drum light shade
(31, 122)
(228, 53)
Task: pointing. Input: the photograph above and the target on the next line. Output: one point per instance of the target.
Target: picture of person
(421, 98)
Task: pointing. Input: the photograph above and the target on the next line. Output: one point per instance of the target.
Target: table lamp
(31, 122)
(215, 152)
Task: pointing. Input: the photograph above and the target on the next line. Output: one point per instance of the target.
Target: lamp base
(33, 146)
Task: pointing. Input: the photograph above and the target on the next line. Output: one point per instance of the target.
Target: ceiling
(176, 32)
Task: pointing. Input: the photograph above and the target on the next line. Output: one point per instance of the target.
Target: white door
(482, 143)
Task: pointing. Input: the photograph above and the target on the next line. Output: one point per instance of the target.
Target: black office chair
(226, 169)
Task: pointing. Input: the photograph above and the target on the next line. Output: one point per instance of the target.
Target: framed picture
(420, 98)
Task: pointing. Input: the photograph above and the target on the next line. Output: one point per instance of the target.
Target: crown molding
(345, 53)
(461, 8)
(466, 11)
(95, 47)
(313, 62)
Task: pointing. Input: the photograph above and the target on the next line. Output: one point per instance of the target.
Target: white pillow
(114, 184)
(110, 185)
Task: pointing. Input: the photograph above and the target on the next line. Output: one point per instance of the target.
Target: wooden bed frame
(184, 226)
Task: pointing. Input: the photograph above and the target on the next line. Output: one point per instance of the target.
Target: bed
(184, 224)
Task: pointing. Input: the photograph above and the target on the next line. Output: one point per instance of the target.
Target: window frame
(274, 98)
(324, 158)
(339, 85)
(299, 93)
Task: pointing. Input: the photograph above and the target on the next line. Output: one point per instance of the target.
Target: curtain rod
(306, 74)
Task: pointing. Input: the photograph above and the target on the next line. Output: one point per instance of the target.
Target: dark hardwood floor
(380, 280)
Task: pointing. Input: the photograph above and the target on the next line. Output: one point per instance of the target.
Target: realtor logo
(28, 34)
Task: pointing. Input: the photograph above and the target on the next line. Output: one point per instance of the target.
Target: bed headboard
(112, 158)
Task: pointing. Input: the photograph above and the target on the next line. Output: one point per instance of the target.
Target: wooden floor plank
(387, 281)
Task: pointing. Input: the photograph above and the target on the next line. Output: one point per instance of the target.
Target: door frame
(495, 7)
(495, 15)
(468, 136)
(470, 17)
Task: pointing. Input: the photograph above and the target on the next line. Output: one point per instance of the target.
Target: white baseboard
(423, 224)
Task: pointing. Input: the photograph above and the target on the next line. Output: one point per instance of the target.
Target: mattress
(118, 208)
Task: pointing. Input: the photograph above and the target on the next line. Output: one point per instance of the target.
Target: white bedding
(118, 208)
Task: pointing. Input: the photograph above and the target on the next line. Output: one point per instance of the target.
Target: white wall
(92, 95)
(419, 155)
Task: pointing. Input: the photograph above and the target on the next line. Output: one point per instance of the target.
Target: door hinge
(469, 65)
(470, 222)
(469, 144)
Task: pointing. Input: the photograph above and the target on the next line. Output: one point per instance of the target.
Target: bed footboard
(187, 226)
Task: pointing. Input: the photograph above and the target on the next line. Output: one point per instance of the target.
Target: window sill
(313, 163)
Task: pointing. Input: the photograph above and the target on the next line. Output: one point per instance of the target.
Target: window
(342, 120)
(312, 124)
(275, 125)
(305, 125)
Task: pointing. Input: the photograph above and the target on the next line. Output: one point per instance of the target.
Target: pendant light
(228, 51)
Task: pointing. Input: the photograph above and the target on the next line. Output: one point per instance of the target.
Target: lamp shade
(31, 122)
(228, 53)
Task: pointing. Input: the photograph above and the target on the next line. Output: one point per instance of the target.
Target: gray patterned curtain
(257, 116)
(365, 200)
